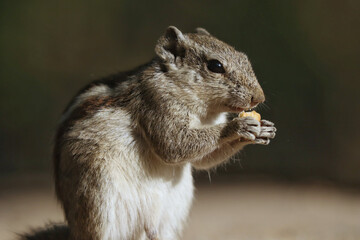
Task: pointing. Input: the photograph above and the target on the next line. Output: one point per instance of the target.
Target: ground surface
(245, 211)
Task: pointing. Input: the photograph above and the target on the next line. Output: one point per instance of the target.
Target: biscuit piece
(253, 114)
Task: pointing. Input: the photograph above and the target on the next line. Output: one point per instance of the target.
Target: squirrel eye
(215, 66)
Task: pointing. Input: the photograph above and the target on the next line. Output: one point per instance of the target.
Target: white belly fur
(138, 190)
(157, 197)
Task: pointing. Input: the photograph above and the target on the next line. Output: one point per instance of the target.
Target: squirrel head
(210, 68)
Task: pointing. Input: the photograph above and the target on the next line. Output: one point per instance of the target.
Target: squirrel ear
(202, 31)
(171, 45)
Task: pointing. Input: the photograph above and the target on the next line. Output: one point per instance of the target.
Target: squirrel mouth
(239, 109)
(236, 109)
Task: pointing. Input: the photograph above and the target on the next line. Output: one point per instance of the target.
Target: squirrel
(126, 144)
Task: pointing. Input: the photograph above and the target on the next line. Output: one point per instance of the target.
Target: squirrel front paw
(246, 128)
(267, 132)
(250, 130)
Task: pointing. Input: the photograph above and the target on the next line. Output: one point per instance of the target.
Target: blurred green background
(305, 54)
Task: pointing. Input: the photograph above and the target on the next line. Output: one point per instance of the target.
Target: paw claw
(267, 132)
(266, 123)
(262, 141)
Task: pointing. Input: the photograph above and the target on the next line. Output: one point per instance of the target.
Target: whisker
(263, 106)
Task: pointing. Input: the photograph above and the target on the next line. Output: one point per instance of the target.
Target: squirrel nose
(257, 98)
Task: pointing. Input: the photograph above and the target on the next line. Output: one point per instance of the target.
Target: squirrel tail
(51, 231)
